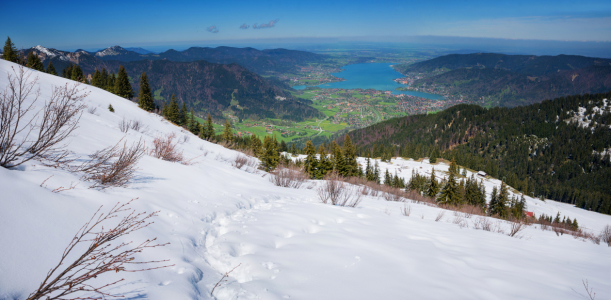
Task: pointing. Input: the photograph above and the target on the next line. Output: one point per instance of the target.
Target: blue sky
(90, 24)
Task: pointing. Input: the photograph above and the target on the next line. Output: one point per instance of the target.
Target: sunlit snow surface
(289, 245)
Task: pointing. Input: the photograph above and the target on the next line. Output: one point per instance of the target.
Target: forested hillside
(511, 80)
(559, 149)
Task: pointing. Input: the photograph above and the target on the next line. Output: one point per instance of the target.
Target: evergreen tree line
(532, 148)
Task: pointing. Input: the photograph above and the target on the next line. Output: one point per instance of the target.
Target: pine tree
(376, 172)
(51, 69)
(172, 113)
(493, 201)
(193, 124)
(145, 97)
(502, 200)
(183, 115)
(325, 165)
(122, 86)
(350, 158)
(432, 186)
(294, 150)
(433, 156)
(450, 193)
(227, 132)
(110, 108)
(76, 74)
(111, 83)
(209, 128)
(387, 179)
(96, 78)
(9, 52)
(575, 225)
(453, 166)
(34, 62)
(256, 146)
(337, 158)
(283, 147)
(270, 157)
(311, 162)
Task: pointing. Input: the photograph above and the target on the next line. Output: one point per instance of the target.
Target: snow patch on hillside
(287, 244)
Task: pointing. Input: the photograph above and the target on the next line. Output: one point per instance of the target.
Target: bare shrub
(290, 177)
(337, 193)
(605, 235)
(239, 161)
(515, 228)
(114, 166)
(498, 227)
(459, 220)
(406, 210)
(483, 223)
(219, 283)
(165, 148)
(440, 215)
(92, 109)
(124, 126)
(40, 136)
(99, 256)
(136, 125)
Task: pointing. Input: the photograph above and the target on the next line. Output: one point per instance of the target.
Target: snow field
(289, 245)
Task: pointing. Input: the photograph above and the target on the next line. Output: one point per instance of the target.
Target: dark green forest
(538, 149)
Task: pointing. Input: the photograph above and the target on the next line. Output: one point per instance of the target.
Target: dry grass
(483, 223)
(124, 125)
(515, 228)
(166, 149)
(288, 176)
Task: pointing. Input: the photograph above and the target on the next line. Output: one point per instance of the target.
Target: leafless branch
(39, 135)
(223, 279)
(99, 257)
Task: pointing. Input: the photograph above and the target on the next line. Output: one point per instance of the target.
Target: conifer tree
(433, 157)
(432, 186)
(96, 78)
(575, 225)
(350, 157)
(502, 201)
(33, 62)
(387, 179)
(76, 74)
(339, 165)
(369, 175)
(9, 52)
(311, 162)
(493, 201)
(172, 113)
(51, 69)
(270, 157)
(227, 132)
(111, 83)
(325, 164)
(450, 193)
(283, 147)
(145, 97)
(376, 172)
(193, 124)
(294, 150)
(183, 115)
(209, 128)
(122, 86)
(256, 146)
(453, 166)
(110, 108)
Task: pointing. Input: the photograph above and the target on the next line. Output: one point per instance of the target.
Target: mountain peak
(111, 51)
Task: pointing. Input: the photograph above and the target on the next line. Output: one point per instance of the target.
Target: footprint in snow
(164, 283)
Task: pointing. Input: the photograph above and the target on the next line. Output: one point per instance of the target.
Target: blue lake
(378, 76)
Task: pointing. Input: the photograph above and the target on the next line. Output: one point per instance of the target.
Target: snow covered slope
(287, 244)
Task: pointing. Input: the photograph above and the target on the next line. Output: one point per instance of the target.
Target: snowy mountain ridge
(285, 243)
(110, 51)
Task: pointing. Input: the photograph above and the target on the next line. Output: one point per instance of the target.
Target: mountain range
(512, 80)
(201, 84)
